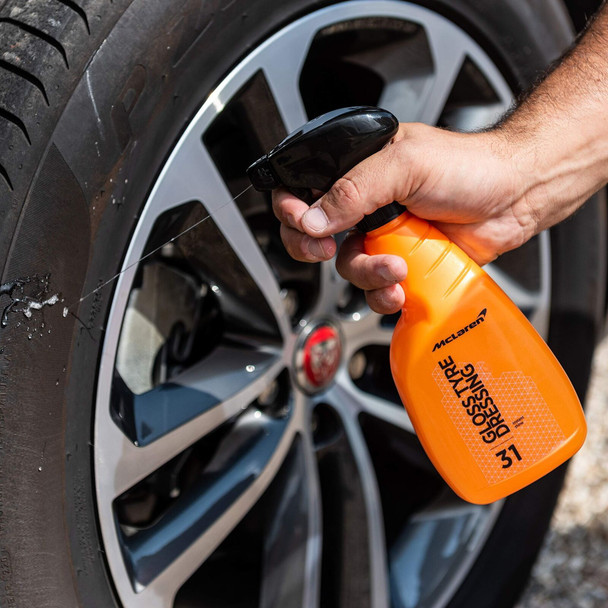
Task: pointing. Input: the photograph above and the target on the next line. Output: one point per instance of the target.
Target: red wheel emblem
(318, 357)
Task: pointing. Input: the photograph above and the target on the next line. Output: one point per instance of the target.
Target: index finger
(288, 208)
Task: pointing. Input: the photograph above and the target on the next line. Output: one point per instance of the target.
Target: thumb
(373, 183)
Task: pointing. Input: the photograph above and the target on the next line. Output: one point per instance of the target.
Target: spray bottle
(490, 403)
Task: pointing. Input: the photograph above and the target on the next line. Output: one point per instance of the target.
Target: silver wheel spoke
(476, 117)
(420, 77)
(448, 57)
(365, 328)
(313, 545)
(122, 469)
(163, 588)
(537, 303)
(359, 401)
(282, 71)
(453, 526)
(198, 180)
(230, 222)
(332, 287)
(240, 459)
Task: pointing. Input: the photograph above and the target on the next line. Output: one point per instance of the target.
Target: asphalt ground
(572, 570)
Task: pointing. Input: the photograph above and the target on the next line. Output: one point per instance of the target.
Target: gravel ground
(572, 570)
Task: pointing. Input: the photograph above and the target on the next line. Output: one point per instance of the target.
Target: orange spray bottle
(490, 403)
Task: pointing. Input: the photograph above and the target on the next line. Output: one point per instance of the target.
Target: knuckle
(346, 193)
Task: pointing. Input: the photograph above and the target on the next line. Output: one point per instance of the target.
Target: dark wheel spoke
(451, 532)
(229, 375)
(168, 550)
(292, 545)
(237, 464)
(339, 400)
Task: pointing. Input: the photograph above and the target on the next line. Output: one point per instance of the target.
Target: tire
(98, 102)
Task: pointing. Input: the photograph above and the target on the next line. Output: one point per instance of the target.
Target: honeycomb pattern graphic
(516, 395)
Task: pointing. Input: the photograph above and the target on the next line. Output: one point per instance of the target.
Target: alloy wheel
(214, 447)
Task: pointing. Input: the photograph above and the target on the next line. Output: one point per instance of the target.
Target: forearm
(559, 134)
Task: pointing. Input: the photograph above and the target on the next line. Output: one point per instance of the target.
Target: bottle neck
(381, 217)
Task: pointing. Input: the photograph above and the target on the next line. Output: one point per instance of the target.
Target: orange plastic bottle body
(490, 403)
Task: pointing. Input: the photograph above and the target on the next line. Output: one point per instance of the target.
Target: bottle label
(504, 421)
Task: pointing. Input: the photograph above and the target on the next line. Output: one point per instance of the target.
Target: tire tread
(34, 31)
(44, 47)
(7, 179)
(26, 75)
(79, 11)
(15, 120)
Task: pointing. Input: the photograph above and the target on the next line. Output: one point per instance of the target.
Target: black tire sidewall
(140, 88)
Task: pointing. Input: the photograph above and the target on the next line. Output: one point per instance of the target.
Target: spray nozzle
(323, 150)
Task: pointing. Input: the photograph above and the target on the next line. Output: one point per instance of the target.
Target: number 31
(507, 461)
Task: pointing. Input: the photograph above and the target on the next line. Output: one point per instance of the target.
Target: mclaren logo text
(481, 317)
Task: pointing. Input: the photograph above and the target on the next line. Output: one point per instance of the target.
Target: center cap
(317, 356)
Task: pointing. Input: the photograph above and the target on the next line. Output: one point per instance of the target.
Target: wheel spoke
(282, 67)
(170, 552)
(441, 542)
(227, 217)
(364, 328)
(332, 287)
(292, 545)
(358, 401)
(471, 118)
(123, 468)
(535, 303)
(226, 372)
(371, 496)
(198, 180)
(238, 462)
(448, 58)
(420, 72)
(231, 223)
(313, 549)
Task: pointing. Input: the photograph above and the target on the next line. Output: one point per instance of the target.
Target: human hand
(468, 185)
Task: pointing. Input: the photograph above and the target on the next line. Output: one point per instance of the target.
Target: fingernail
(315, 219)
(315, 248)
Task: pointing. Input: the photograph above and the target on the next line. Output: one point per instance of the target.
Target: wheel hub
(317, 356)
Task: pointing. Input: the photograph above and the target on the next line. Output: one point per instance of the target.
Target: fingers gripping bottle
(490, 403)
